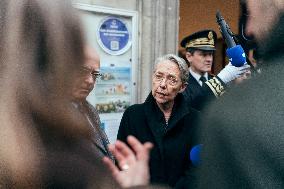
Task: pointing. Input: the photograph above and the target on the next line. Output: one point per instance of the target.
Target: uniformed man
(202, 86)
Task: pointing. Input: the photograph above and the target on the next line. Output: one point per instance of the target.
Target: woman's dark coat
(169, 161)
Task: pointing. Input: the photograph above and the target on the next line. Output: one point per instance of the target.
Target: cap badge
(210, 35)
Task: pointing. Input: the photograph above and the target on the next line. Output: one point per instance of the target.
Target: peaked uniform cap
(201, 40)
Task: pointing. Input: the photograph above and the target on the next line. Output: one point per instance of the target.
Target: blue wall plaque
(113, 36)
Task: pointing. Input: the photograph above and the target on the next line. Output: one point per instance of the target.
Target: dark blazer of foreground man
(243, 135)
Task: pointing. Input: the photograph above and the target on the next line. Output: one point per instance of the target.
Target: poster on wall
(113, 36)
(113, 89)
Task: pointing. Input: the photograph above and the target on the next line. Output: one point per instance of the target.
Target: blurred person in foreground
(242, 134)
(45, 142)
(166, 120)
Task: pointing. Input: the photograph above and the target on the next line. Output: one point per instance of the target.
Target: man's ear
(182, 88)
(188, 56)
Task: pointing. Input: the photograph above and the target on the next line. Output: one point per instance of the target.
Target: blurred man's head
(200, 47)
(263, 14)
(36, 48)
(86, 76)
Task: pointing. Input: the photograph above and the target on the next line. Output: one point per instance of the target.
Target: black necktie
(203, 79)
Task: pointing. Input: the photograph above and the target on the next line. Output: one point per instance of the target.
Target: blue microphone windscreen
(195, 153)
(236, 55)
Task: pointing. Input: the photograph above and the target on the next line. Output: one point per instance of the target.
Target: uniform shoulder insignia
(216, 86)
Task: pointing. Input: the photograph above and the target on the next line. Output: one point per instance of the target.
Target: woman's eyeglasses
(171, 80)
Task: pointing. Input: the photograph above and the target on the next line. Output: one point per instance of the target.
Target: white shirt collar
(197, 76)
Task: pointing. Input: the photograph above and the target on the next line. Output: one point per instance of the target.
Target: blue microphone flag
(236, 55)
(195, 154)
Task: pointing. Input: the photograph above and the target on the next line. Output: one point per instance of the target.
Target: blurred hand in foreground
(133, 162)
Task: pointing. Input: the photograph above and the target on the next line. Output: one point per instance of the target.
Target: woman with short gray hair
(166, 120)
(183, 67)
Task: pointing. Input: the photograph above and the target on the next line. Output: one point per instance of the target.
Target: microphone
(235, 52)
(195, 155)
(225, 30)
(236, 55)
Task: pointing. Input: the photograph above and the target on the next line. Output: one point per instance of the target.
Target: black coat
(169, 160)
(197, 96)
(243, 135)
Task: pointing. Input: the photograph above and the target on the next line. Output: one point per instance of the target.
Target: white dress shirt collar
(197, 76)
